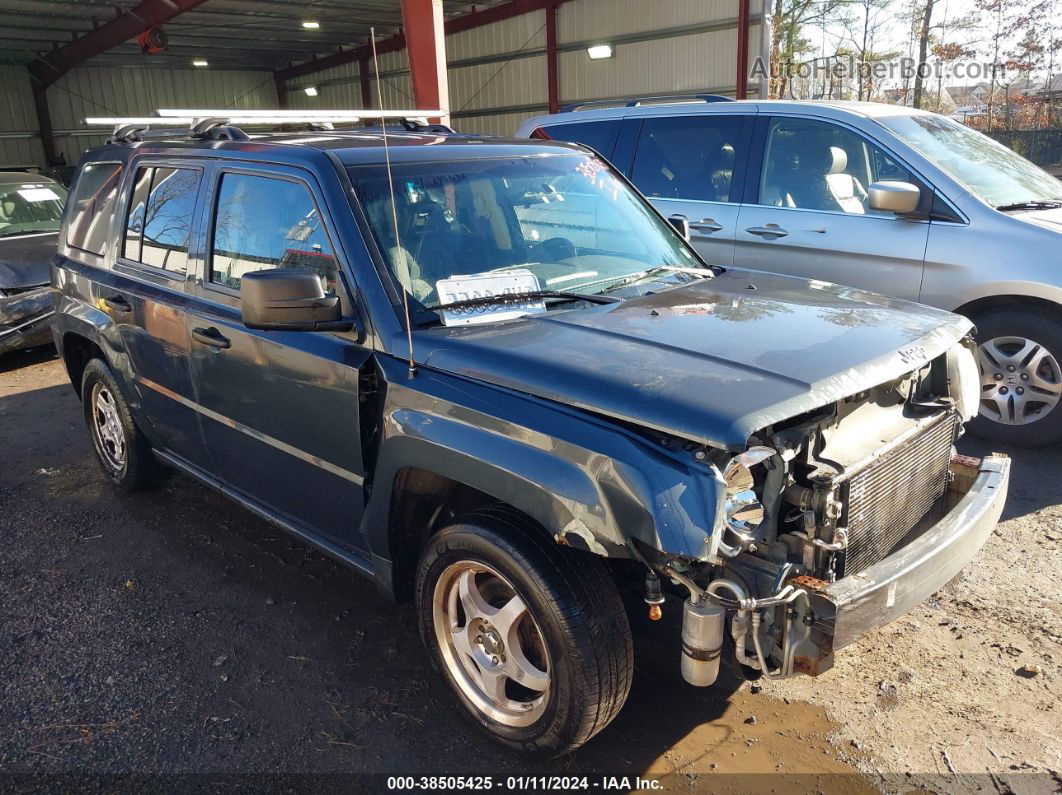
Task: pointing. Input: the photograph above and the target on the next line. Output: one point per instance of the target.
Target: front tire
(531, 638)
(1020, 357)
(122, 451)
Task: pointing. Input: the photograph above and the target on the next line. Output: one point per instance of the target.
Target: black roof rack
(634, 102)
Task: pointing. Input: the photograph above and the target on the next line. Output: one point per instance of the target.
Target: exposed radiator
(890, 496)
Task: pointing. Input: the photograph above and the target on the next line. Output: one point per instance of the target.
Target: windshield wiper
(1035, 204)
(704, 273)
(520, 298)
(13, 232)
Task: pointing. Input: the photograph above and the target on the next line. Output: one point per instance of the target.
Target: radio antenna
(400, 252)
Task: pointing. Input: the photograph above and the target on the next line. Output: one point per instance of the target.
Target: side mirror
(681, 224)
(895, 197)
(287, 299)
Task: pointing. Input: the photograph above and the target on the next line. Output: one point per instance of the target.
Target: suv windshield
(988, 169)
(565, 218)
(31, 207)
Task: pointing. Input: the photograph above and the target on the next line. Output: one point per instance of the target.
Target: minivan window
(991, 171)
(815, 165)
(93, 204)
(598, 135)
(262, 223)
(566, 218)
(688, 157)
(160, 217)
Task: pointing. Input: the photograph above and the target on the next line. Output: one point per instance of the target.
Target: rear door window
(159, 224)
(598, 135)
(690, 157)
(93, 205)
(262, 223)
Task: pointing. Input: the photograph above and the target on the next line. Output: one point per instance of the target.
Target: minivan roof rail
(225, 124)
(633, 102)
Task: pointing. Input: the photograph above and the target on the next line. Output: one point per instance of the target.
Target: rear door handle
(769, 231)
(210, 336)
(118, 304)
(707, 225)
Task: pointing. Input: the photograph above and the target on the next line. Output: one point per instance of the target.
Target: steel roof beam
(123, 27)
(486, 16)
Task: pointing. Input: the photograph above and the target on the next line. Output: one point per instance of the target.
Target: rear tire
(122, 451)
(569, 646)
(1020, 356)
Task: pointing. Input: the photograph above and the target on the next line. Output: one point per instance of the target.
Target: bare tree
(789, 18)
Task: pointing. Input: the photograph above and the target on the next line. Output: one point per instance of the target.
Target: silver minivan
(879, 197)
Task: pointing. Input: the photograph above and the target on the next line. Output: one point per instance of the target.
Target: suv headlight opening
(742, 510)
(964, 378)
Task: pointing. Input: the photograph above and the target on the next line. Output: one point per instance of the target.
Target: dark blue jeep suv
(489, 375)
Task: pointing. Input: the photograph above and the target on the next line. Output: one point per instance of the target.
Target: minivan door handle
(769, 231)
(210, 336)
(118, 304)
(707, 225)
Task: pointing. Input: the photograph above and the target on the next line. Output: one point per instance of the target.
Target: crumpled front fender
(590, 483)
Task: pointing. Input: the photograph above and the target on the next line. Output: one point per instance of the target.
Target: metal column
(422, 22)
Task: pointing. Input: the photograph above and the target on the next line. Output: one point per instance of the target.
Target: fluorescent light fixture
(311, 91)
(311, 25)
(200, 62)
(599, 51)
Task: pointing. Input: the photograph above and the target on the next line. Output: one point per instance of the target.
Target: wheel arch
(77, 352)
(981, 305)
(421, 485)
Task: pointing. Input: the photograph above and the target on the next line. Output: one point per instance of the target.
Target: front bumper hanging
(852, 606)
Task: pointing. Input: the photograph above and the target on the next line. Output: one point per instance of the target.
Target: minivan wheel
(122, 451)
(1020, 358)
(531, 638)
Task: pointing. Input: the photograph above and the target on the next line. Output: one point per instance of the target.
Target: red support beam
(742, 50)
(365, 78)
(282, 95)
(552, 80)
(469, 21)
(122, 28)
(422, 23)
(44, 123)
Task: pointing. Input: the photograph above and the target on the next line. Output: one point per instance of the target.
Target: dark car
(31, 209)
(490, 376)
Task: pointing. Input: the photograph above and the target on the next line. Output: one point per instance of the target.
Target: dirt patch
(174, 632)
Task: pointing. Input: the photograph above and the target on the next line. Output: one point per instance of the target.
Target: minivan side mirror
(896, 197)
(681, 224)
(288, 299)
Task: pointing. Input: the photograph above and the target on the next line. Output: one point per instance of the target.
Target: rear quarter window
(598, 135)
(92, 206)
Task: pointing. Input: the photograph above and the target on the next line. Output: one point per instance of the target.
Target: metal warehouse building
(504, 60)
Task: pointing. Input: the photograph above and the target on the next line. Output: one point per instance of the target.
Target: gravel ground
(173, 633)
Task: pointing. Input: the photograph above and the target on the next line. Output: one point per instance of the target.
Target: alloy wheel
(491, 644)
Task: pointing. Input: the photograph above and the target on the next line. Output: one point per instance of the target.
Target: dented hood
(713, 361)
(25, 260)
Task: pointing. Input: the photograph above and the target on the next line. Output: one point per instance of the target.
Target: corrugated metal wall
(20, 145)
(114, 92)
(497, 73)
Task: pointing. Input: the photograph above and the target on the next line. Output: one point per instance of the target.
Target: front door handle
(210, 336)
(118, 304)
(707, 225)
(770, 231)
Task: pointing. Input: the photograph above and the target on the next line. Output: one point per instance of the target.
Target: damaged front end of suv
(835, 522)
